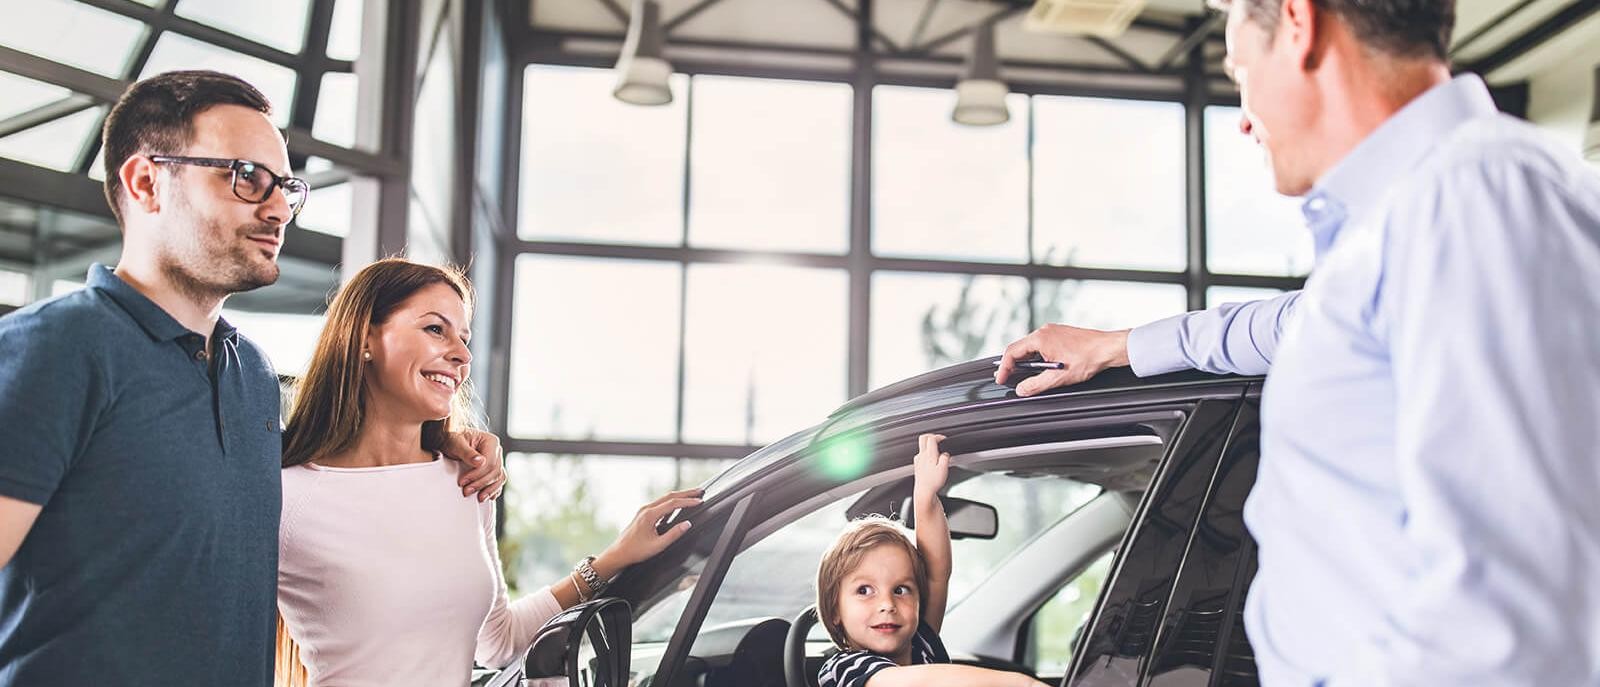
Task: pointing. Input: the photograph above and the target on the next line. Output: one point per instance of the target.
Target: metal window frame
(388, 166)
(1192, 85)
(309, 65)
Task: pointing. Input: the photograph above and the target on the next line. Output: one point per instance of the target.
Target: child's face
(878, 603)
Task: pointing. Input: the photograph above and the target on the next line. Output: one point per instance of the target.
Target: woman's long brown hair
(330, 399)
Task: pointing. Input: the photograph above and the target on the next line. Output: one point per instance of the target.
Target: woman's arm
(932, 469)
(639, 541)
(949, 675)
(510, 626)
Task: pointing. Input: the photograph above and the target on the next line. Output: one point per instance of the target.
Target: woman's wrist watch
(591, 579)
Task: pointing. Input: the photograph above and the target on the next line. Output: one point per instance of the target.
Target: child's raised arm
(932, 468)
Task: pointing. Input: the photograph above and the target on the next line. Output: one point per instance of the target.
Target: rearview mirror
(968, 519)
(584, 646)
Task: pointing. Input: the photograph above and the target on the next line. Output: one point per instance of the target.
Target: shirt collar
(150, 317)
(1359, 180)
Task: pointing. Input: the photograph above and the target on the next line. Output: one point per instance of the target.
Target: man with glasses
(139, 471)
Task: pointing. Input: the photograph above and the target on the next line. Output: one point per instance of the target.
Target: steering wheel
(794, 650)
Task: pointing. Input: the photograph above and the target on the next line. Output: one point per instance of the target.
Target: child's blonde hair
(845, 555)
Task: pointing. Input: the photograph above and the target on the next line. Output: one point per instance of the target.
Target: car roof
(944, 389)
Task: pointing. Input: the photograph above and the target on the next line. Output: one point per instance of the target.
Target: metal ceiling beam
(684, 16)
(1143, 22)
(959, 34)
(1490, 25)
(301, 141)
(308, 88)
(85, 196)
(1164, 27)
(1127, 58)
(135, 67)
(28, 65)
(546, 49)
(1194, 38)
(1095, 73)
(107, 90)
(162, 18)
(922, 23)
(615, 10)
(46, 113)
(866, 23)
(1551, 27)
(55, 189)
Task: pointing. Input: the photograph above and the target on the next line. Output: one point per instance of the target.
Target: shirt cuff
(1156, 348)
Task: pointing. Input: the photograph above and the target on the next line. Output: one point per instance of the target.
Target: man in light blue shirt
(1428, 501)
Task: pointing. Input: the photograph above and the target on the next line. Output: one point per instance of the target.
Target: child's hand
(931, 466)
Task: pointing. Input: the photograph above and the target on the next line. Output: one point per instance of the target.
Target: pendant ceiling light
(980, 94)
(642, 73)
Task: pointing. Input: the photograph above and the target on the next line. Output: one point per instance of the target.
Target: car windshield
(776, 577)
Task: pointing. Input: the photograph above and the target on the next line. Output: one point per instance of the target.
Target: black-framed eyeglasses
(252, 181)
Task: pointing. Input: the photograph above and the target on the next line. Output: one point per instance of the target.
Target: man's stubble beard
(217, 262)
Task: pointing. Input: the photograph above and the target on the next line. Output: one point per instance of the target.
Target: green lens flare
(846, 459)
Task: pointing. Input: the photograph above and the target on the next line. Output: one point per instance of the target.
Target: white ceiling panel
(809, 23)
(574, 15)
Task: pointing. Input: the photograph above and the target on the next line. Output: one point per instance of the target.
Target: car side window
(1054, 628)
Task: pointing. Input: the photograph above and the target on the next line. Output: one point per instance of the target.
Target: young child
(882, 598)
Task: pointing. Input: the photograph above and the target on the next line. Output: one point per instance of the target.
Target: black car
(1098, 539)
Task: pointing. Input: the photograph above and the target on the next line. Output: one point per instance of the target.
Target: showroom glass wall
(685, 277)
(684, 282)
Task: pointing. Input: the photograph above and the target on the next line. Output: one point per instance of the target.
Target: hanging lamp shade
(643, 75)
(980, 94)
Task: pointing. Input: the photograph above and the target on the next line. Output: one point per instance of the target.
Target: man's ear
(1298, 29)
(139, 177)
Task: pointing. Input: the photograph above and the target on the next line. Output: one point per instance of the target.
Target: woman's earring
(366, 355)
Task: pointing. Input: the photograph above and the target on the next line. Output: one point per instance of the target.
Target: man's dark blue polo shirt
(154, 560)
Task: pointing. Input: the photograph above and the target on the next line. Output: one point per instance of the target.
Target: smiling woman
(386, 575)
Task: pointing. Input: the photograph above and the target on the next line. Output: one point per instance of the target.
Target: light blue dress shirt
(1428, 501)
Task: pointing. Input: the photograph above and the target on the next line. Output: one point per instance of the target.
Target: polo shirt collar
(150, 317)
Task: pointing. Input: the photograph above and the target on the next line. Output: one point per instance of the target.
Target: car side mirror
(584, 646)
(968, 519)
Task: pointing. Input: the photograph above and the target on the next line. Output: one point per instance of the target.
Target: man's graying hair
(1398, 28)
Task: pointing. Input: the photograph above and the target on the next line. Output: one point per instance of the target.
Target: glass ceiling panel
(14, 288)
(56, 144)
(328, 210)
(344, 39)
(175, 52)
(19, 94)
(336, 109)
(97, 171)
(280, 23)
(75, 34)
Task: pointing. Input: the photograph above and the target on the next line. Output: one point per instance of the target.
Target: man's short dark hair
(156, 116)
(1399, 28)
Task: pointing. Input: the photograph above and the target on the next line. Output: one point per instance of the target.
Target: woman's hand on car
(640, 540)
